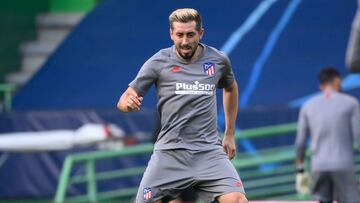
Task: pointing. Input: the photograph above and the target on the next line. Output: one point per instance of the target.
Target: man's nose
(185, 40)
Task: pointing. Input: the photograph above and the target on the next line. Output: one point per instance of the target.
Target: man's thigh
(346, 186)
(237, 197)
(216, 175)
(167, 174)
(322, 189)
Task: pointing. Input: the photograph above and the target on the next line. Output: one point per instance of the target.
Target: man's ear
(201, 32)
(170, 32)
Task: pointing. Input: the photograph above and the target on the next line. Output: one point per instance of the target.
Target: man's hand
(303, 183)
(303, 179)
(133, 102)
(229, 145)
(129, 101)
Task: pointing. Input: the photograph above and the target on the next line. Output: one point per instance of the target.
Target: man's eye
(179, 35)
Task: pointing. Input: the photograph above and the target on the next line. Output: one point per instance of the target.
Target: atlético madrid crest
(209, 68)
(147, 193)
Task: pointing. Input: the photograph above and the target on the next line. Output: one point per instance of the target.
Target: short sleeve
(145, 77)
(227, 77)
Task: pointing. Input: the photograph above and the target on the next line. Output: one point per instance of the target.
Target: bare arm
(129, 101)
(230, 102)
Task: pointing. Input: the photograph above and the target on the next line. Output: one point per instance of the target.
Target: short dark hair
(328, 75)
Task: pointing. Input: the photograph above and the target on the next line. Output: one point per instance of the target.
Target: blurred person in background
(332, 119)
(353, 50)
(188, 151)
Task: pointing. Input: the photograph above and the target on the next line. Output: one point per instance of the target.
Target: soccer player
(188, 151)
(332, 118)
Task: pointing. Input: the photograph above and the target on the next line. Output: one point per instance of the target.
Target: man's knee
(234, 197)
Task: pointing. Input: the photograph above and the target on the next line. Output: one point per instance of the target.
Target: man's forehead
(184, 27)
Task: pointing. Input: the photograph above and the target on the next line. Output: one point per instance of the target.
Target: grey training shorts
(169, 172)
(335, 185)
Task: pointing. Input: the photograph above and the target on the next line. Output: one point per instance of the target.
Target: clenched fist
(129, 101)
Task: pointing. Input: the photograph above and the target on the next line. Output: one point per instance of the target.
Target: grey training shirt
(186, 96)
(333, 121)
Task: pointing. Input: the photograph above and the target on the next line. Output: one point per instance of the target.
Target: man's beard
(188, 56)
